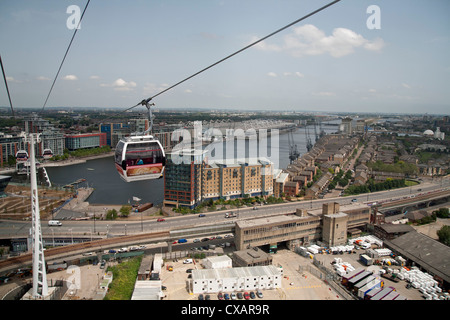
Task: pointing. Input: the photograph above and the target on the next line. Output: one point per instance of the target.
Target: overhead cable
(65, 55)
(237, 52)
(6, 85)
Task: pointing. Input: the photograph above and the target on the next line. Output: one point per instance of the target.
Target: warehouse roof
(425, 251)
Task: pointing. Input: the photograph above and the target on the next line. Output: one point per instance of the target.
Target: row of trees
(371, 186)
(221, 204)
(399, 167)
(81, 153)
(340, 179)
(113, 214)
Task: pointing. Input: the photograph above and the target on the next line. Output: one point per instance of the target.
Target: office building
(85, 141)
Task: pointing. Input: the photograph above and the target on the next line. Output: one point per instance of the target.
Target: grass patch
(124, 278)
(410, 183)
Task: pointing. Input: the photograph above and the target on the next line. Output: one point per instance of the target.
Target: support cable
(6, 85)
(65, 55)
(237, 52)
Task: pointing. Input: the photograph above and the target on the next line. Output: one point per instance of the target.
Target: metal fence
(327, 276)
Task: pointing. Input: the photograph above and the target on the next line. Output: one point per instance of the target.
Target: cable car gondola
(140, 157)
(47, 153)
(21, 156)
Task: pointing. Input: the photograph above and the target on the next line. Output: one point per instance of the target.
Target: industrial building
(329, 225)
(251, 257)
(235, 279)
(424, 252)
(217, 262)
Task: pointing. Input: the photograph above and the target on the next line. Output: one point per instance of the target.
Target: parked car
(201, 215)
(246, 295)
(112, 251)
(102, 264)
(226, 296)
(188, 270)
(259, 293)
(161, 220)
(252, 295)
(233, 296)
(240, 296)
(220, 296)
(200, 297)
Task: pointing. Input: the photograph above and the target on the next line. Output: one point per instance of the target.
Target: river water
(109, 188)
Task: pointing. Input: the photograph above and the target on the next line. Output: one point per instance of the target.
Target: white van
(187, 261)
(54, 223)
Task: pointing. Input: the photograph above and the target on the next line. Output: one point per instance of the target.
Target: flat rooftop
(240, 272)
(343, 208)
(268, 220)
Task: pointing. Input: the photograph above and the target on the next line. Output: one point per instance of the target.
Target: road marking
(304, 287)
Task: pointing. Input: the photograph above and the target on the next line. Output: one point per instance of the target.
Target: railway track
(408, 199)
(82, 247)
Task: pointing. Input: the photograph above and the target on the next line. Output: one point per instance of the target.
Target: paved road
(11, 229)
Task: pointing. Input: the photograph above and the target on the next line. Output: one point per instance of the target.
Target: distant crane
(315, 130)
(293, 150)
(309, 144)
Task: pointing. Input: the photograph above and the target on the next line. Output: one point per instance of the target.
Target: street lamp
(71, 234)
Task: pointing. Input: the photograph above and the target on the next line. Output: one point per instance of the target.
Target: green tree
(111, 214)
(125, 211)
(443, 213)
(444, 235)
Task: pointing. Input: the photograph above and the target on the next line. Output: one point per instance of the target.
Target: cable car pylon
(40, 286)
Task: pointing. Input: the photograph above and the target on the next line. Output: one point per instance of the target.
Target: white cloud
(297, 74)
(272, 74)
(11, 79)
(94, 77)
(405, 85)
(152, 88)
(42, 78)
(310, 40)
(324, 94)
(188, 91)
(121, 85)
(71, 77)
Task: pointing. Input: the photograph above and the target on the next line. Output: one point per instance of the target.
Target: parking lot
(353, 259)
(295, 285)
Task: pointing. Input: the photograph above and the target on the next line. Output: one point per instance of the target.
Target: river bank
(72, 161)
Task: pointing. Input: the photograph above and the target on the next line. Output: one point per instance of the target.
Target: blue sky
(127, 51)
